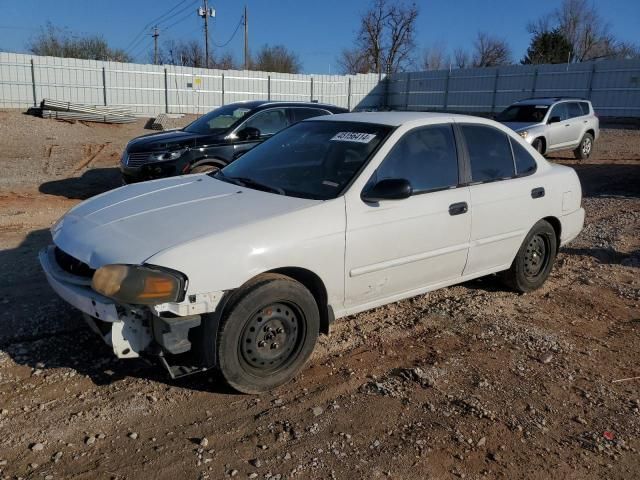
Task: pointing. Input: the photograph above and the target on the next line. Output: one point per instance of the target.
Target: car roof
(254, 104)
(547, 100)
(395, 119)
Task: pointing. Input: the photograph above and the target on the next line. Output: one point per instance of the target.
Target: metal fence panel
(613, 86)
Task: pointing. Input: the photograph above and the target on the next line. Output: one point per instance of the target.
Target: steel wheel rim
(586, 146)
(272, 338)
(536, 256)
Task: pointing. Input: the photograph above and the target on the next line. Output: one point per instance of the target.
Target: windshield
(523, 113)
(312, 159)
(218, 119)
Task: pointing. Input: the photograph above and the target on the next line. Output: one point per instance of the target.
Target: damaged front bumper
(130, 331)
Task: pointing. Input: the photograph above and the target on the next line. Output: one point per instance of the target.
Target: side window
(585, 108)
(574, 110)
(525, 163)
(489, 153)
(300, 114)
(269, 121)
(426, 157)
(560, 110)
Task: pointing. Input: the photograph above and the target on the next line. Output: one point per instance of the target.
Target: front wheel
(538, 145)
(267, 334)
(585, 148)
(207, 168)
(534, 260)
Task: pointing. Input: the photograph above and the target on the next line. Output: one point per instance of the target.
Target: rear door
(395, 247)
(507, 197)
(559, 132)
(576, 122)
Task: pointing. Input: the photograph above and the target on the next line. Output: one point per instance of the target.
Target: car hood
(518, 126)
(169, 140)
(132, 223)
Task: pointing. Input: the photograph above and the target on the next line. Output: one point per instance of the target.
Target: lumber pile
(75, 112)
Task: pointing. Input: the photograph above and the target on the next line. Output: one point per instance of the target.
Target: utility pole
(155, 36)
(246, 39)
(205, 12)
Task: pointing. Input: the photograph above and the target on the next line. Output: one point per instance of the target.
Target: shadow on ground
(39, 330)
(608, 180)
(90, 183)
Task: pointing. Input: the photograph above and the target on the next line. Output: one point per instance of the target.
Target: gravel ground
(471, 381)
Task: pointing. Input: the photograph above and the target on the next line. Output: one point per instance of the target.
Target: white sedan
(241, 270)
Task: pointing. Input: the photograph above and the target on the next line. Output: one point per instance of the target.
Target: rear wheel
(585, 148)
(534, 260)
(268, 333)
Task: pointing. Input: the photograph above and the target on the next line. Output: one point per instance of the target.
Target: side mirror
(554, 119)
(388, 189)
(249, 133)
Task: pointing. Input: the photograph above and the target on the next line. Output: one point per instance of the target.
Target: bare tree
(461, 58)
(490, 51)
(191, 54)
(58, 42)
(385, 39)
(435, 57)
(585, 30)
(277, 58)
(353, 62)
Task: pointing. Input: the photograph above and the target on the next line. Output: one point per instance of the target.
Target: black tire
(585, 149)
(534, 260)
(538, 144)
(267, 333)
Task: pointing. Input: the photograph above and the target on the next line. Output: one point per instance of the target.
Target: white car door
(560, 134)
(394, 247)
(506, 201)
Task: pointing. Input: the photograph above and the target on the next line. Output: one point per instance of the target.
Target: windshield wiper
(250, 182)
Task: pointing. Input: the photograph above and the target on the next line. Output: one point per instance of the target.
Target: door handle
(567, 124)
(458, 208)
(537, 192)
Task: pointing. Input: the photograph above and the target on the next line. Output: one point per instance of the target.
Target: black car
(213, 140)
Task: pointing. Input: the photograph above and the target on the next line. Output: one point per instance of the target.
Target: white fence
(149, 89)
(613, 86)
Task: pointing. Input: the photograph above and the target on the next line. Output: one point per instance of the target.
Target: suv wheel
(585, 148)
(267, 334)
(533, 262)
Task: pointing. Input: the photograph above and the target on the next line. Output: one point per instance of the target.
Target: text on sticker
(353, 137)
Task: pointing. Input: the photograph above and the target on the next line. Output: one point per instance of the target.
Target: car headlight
(523, 133)
(138, 285)
(166, 156)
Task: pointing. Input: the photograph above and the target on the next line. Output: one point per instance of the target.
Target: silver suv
(551, 124)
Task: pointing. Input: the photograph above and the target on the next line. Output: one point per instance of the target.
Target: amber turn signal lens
(133, 284)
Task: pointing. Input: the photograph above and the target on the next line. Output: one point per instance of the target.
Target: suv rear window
(585, 108)
(489, 153)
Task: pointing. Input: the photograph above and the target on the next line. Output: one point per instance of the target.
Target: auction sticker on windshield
(353, 137)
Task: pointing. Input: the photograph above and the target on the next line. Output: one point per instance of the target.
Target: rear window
(489, 153)
(585, 108)
(575, 110)
(525, 163)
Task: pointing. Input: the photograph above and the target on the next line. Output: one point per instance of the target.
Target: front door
(396, 247)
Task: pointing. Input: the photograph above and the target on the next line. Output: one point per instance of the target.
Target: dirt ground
(471, 381)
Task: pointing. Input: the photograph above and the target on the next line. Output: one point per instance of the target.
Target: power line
(232, 35)
(158, 20)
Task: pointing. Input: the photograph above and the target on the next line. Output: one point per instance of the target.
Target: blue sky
(316, 29)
